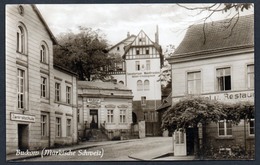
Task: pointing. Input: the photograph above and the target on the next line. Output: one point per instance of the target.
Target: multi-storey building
(142, 61)
(218, 64)
(105, 106)
(40, 100)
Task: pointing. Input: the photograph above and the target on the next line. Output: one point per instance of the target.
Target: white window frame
(122, 115)
(57, 92)
(58, 127)
(21, 39)
(44, 87)
(225, 128)
(68, 94)
(139, 84)
(146, 85)
(224, 75)
(110, 116)
(44, 125)
(249, 74)
(22, 92)
(194, 81)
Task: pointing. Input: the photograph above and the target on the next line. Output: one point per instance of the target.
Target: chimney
(128, 34)
(157, 35)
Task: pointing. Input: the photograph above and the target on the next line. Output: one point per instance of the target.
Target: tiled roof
(101, 85)
(219, 36)
(166, 102)
(122, 41)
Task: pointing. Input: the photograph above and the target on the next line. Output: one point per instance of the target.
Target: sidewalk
(81, 145)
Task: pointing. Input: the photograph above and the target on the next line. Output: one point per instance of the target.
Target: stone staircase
(97, 135)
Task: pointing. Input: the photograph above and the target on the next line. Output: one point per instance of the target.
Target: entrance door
(23, 135)
(179, 143)
(94, 118)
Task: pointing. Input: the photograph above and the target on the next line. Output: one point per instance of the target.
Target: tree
(221, 8)
(85, 53)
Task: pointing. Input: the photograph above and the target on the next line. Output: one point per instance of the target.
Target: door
(179, 143)
(23, 135)
(94, 119)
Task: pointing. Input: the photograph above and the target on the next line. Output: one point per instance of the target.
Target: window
(194, 82)
(110, 116)
(137, 51)
(121, 82)
(44, 125)
(146, 85)
(137, 65)
(251, 127)
(250, 76)
(148, 65)
(147, 51)
(68, 95)
(21, 88)
(57, 92)
(58, 126)
(224, 128)
(68, 127)
(43, 54)
(122, 116)
(139, 85)
(223, 79)
(118, 48)
(43, 87)
(78, 115)
(143, 100)
(20, 39)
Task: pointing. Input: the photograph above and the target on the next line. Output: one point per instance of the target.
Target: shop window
(194, 82)
(110, 116)
(223, 79)
(224, 128)
(250, 76)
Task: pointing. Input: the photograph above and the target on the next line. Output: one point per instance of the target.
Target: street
(111, 151)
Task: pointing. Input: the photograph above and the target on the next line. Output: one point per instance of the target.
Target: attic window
(20, 10)
(118, 48)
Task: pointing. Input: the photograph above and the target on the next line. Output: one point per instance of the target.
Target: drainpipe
(245, 134)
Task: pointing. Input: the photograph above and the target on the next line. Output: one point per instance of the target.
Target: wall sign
(22, 117)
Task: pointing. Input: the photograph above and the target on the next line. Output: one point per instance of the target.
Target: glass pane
(250, 68)
(227, 71)
(219, 72)
(221, 125)
(221, 132)
(197, 75)
(190, 76)
(177, 137)
(229, 131)
(181, 137)
(227, 82)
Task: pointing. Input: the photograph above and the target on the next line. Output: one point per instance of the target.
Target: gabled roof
(156, 45)
(45, 24)
(219, 36)
(122, 42)
(166, 103)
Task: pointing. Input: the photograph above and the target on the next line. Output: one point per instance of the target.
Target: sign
(93, 100)
(245, 95)
(143, 74)
(22, 117)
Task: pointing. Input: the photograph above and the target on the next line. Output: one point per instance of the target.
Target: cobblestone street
(113, 151)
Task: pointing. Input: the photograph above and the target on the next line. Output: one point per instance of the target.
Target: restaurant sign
(22, 117)
(245, 95)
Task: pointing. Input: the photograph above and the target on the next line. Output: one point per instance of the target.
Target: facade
(221, 67)
(31, 110)
(142, 60)
(105, 106)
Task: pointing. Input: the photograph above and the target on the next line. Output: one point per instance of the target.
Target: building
(219, 66)
(105, 106)
(142, 62)
(39, 111)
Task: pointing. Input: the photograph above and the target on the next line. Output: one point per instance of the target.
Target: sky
(116, 20)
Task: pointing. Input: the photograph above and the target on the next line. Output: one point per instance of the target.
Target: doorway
(180, 148)
(190, 141)
(23, 136)
(94, 118)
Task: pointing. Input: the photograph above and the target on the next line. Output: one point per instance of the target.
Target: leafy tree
(84, 52)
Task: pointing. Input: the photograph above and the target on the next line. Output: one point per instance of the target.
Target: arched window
(44, 52)
(121, 82)
(146, 85)
(139, 85)
(20, 39)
